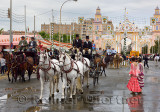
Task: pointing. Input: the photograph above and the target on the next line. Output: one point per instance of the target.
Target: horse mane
(68, 55)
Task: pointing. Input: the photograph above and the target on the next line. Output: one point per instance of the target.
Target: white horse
(156, 59)
(51, 69)
(86, 67)
(72, 71)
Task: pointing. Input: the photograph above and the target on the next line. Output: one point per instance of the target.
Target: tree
(145, 49)
(154, 49)
(1, 30)
(44, 35)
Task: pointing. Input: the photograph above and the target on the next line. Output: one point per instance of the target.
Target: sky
(139, 11)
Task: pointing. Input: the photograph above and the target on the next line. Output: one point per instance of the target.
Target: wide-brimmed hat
(87, 37)
(22, 37)
(77, 35)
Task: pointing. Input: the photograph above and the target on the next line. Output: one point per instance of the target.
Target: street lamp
(60, 18)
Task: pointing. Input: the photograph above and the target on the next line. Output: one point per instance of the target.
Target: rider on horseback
(113, 52)
(109, 51)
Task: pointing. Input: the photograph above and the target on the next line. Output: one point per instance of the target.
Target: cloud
(114, 9)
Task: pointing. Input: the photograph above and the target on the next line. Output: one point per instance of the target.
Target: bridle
(72, 64)
(44, 58)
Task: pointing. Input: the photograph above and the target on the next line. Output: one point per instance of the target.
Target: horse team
(72, 73)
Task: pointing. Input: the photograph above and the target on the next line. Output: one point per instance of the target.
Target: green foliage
(145, 49)
(154, 49)
(1, 30)
(44, 35)
(66, 38)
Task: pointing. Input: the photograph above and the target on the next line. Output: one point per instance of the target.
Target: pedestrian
(133, 84)
(141, 74)
(146, 61)
(124, 59)
(3, 63)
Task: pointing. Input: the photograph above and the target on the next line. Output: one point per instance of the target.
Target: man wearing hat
(77, 43)
(32, 45)
(22, 44)
(87, 45)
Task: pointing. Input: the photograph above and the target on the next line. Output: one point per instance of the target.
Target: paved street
(110, 95)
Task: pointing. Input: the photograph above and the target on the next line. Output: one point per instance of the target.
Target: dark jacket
(89, 45)
(34, 44)
(146, 59)
(77, 44)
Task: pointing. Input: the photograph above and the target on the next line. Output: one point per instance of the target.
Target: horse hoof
(74, 97)
(50, 98)
(57, 90)
(52, 95)
(62, 100)
(40, 101)
(70, 99)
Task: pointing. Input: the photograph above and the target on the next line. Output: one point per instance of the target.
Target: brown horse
(117, 60)
(102, 62)
(9, 62)
(20, 65)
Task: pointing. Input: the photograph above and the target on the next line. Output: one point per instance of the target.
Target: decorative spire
(98, 11)
(98, 8)
(157, 8)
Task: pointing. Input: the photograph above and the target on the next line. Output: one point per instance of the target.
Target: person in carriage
(87, 48)
(77, 44)
(23, 44)
(32, 45)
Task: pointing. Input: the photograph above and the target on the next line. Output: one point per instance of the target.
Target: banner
(153, 21)
(80, 20)
(146, 28)
(90, 28)
(104, 19)
(109, 27)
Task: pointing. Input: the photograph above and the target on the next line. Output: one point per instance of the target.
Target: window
(97, 27)
(97, 19)
(96, 38)
(156, 19)
(156, 27)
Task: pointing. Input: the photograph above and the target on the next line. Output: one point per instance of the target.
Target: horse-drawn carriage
(20, 62)
(34, 55)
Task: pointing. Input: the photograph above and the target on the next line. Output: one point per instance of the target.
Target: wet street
(110, 95)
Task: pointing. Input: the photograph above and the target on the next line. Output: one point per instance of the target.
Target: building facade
(155, 22)
(102, 31)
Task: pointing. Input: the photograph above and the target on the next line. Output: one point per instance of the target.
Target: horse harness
(71, 68)
(49, 67)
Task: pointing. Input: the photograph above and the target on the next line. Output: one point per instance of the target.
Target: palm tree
(1, 30)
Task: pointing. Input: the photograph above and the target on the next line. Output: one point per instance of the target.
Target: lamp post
(60, 19)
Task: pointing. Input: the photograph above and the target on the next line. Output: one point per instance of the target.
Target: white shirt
(114, 51)
(3, 62)
(109, 51)
(31, 43)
